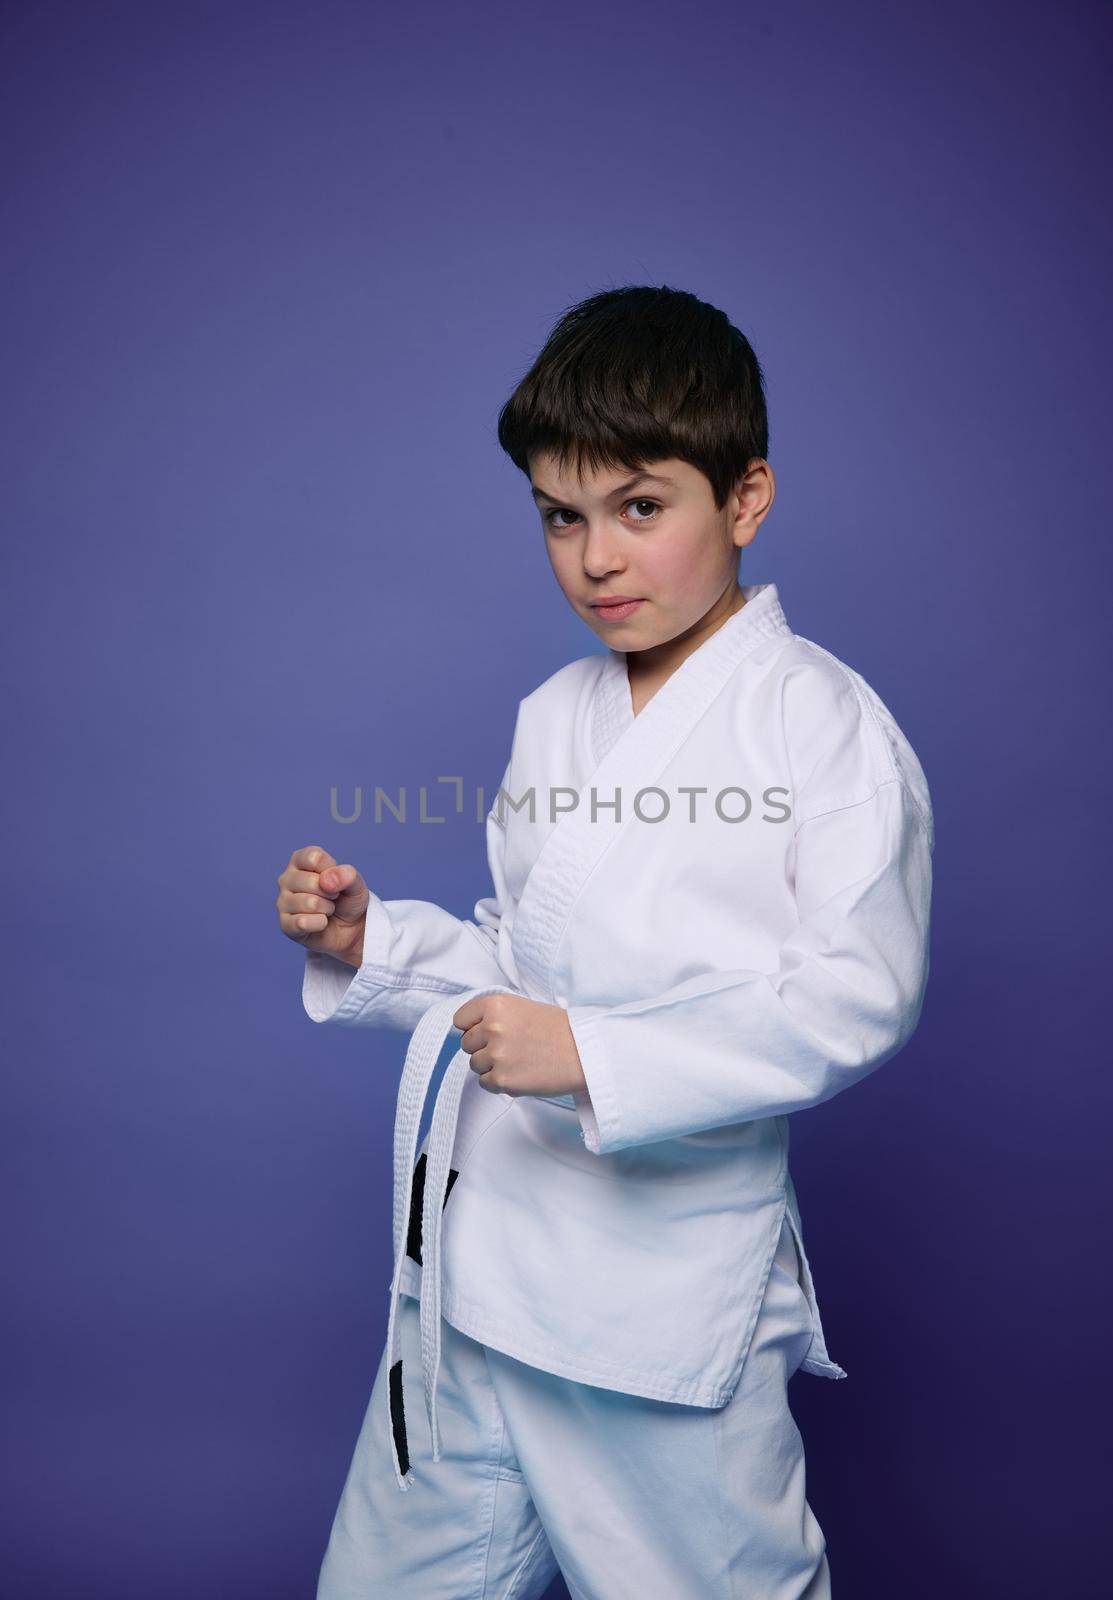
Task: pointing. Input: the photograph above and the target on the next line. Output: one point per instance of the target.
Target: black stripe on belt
(417, 1200)
(398, 1418)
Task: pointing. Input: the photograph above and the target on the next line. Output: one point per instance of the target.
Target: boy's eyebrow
(623, 488)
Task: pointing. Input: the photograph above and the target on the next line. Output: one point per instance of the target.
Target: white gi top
(744, 935)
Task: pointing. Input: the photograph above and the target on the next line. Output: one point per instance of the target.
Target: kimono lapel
(630, 752)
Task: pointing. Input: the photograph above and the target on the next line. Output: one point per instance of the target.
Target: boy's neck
(666, 657)
(648, 669)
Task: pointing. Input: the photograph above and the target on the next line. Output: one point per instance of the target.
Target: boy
(711, 859)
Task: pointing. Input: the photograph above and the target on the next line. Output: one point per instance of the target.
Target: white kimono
(729, 894)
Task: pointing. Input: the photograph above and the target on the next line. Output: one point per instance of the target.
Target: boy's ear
(755, 492)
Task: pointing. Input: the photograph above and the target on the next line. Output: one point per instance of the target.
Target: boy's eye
(651, 503)
(560, 511)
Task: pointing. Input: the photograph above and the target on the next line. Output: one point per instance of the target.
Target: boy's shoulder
(842, 738)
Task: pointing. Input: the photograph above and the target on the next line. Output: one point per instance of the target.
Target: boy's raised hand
(321, 905)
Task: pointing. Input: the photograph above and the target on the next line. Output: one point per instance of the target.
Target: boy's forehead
(552, 480)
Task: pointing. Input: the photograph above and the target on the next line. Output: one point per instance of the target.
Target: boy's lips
(615, 607)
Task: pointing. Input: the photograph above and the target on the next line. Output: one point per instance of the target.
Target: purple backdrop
(268, 273)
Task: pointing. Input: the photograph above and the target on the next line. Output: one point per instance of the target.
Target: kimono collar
(760, 618)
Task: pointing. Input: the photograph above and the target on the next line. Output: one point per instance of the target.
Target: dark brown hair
(640, 374)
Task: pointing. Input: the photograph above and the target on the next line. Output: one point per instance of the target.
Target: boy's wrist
(352, 956)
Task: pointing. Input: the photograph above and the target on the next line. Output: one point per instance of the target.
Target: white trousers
(631, 1499)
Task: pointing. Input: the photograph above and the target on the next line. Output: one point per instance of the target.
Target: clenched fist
(323, 906)
(520, 1046)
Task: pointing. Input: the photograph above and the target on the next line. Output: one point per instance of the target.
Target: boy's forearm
(411, 952)
(735, 1046)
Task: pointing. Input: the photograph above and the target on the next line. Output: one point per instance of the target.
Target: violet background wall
(268, 273)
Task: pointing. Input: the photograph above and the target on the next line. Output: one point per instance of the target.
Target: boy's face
(654, 536)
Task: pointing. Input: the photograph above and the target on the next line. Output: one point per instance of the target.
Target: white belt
(422, 1055)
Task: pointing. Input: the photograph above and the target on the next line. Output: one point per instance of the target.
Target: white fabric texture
(626, 1496)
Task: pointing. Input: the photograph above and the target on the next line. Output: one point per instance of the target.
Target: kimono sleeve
(414, 952)
(844, 996)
